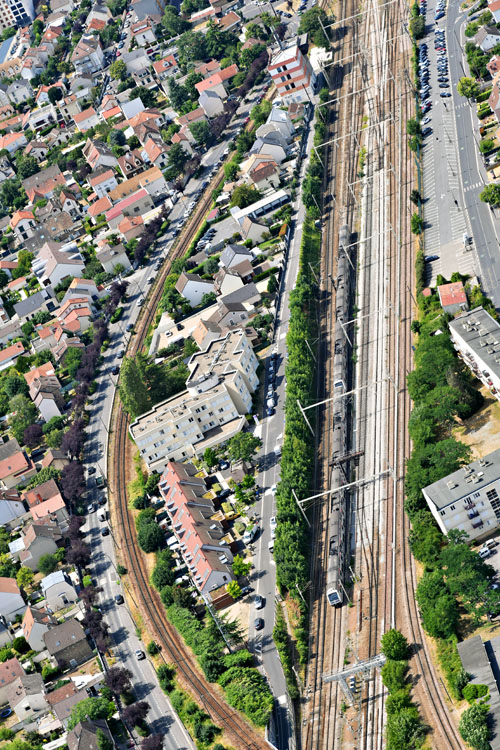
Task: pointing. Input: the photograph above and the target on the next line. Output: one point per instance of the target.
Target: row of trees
(404, 730)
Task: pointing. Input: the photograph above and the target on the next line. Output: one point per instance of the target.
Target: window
(452, 507)
(492, 495)
(443, 513)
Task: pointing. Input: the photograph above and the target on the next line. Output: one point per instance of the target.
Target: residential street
(271, 432)
(161, 717)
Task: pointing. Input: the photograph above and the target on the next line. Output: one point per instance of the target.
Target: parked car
(259, 602)
(140, 655)
(259, 623)
(119, 599)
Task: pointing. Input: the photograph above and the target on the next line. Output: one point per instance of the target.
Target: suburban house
(36, 539)
(211, 103)
(10, 671)
(10, 354)
(102, 181)
(55, 262)
(63, 699)
(42, 184)
(26, 696)
(86, 119)
(487, 37)
(11, 601)
(192, 287)
(202, 540)
(98, 154)
(58, 590)
(272, 144)
(11, 507)
(211, 410)
(67, 644)
(453, 297)
(12, 142)
(87, 56)
(84, 736)
(42, 300)
(131, 163)
(111, 256)
(151, 180)
(265, 176)
(14, 468)
(44, 501)
(138, 203)
(216, 81)
(35, 623)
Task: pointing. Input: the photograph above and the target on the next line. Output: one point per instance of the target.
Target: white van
(484, 552)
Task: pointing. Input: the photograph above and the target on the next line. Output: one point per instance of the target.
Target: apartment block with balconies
(476, 338)
(210, 411)
(469, 499)
(292, 74)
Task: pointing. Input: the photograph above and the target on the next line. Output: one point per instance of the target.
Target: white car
(273, 488)
(273, 522)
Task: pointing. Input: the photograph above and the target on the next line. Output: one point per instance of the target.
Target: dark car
(445, 94)
(121, 354)
(102, 500)
(426, 132)
(91, 470)
(119, 599)
(225, 493)
(430, 258)
(259, 623)
(130, 327)
(269, 411)
(105, 531)
(224, 464)
(115, 370)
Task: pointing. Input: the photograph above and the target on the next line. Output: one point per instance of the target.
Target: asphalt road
(454, 175)
(161, 718)
(271, 431)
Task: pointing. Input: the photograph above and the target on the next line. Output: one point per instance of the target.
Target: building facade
(292, 74)
(469, 499)
(476, 338)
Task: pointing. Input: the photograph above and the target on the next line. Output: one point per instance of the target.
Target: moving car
(140, 655)
(259, 623)
(259, 602)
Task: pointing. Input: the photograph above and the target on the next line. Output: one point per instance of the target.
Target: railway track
(323, 729)
(237, 730)
(388, 582)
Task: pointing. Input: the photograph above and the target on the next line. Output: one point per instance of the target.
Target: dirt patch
(480, 432)
(240, 612)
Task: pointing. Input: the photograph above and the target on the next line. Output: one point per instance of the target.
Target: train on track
(342, 382)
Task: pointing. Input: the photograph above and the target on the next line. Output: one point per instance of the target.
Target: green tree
(24, 261)
(313, 22)
(147, 96)
(191, 46)
(103, 741)
(415, 197)
(24, 577)
(117, 138)
(150, 537)
(487, 144)
(413, 127)
(438, 607)
(491, 195)
(394, 645)
(26, 166)
(210, 458)
(133, 390)
(163, 573)
(240, 567)
(55, 94)
(244, 195)
(394, 675)
(118, 70)
(23, 414)
(202, 133)
(417, 27)
(47, 564)
(405, 730)
(473, 726)
(177, 159)
(233, 589)
(425, 538)
(172, 22)
(469, 88)
(417, 223)
(243, 446)
(272, 284)
(90, 709)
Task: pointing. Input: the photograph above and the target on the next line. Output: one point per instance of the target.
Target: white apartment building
(469, 499)
(476, 337)
(15, 13)
(210, 411)
(292, 74)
